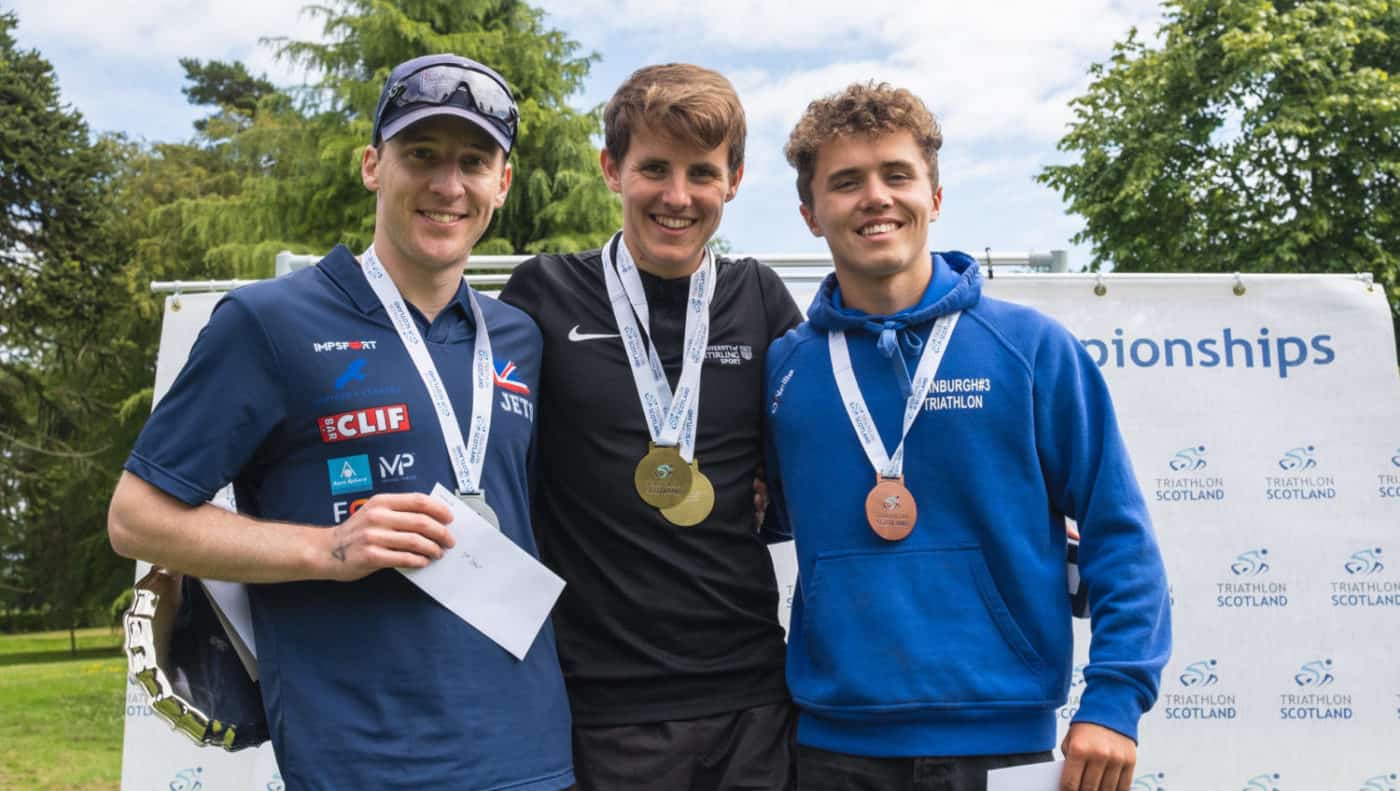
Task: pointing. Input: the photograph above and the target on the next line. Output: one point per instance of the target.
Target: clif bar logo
(364, 423)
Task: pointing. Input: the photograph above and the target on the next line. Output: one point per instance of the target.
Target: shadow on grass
(64, 655)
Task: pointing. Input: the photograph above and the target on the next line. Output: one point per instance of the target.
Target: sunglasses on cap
(457, 86)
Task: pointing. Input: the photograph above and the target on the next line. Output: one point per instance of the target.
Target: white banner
(1264, 429)
(1265, 432)
(155, 756)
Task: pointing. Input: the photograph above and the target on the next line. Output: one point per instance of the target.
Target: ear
(612, 171)
(369, 168)
(734, 180)
(937, 203)
(504, 190)
(809, 217)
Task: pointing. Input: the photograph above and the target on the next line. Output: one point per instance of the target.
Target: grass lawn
(61, 716)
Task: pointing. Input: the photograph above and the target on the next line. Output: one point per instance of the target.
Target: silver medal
(477, 502)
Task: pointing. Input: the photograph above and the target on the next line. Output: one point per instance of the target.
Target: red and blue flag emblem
(505, 379)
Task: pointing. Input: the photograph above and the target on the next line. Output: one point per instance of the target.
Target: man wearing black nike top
(668, 632)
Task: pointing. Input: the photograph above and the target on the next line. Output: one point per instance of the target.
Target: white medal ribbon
(671, 418)
(467, 457)
(861, 420)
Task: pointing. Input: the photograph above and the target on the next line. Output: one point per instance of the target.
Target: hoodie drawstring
(893, 335)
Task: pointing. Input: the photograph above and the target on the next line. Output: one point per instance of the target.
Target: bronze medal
(697, 505)
(890, 509)
(662, 478)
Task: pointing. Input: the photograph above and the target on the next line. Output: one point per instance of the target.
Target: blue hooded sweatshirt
(957, 639)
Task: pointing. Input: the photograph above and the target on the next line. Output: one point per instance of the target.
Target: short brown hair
(690, 103)
(863, 108)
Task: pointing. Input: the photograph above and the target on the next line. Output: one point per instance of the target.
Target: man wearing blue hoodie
(930, 637)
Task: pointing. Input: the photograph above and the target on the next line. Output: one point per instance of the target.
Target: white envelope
(488, 581)
(1031, 777)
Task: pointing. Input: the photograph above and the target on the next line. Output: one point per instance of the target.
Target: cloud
(162, 31)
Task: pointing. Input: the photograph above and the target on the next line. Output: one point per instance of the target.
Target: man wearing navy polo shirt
(302, 393)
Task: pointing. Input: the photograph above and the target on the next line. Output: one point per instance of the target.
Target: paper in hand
(1030, 777)
(488, 581)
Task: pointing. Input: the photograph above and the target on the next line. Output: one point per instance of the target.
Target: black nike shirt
(657, 622)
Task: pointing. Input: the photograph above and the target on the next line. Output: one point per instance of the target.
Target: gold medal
(662, 478)
(697, 505)
(890, 509)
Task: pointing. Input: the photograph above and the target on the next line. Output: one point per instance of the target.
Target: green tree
(226, 86)
(1259, 135)
(56, 300)
(558, 200)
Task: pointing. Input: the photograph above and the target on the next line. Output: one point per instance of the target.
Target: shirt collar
(341, 266)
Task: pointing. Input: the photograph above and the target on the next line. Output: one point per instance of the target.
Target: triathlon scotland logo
(1196, 704)
(1076, 691)
(1298, 482)
(1367, 561)
(1310, 697)
(1199, 674)
(1360, 588)
(188, 780)
(1149, 782)
(1388, 482)
(1189, 459)
(1298, 459)
(1386, 782)
(1265, 782)
(1187, 481)
(1316, 674)
(1249, 565)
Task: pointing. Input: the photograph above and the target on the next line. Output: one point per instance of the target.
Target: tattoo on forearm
(339, 553)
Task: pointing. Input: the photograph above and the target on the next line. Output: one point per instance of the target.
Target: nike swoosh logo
(576, 336)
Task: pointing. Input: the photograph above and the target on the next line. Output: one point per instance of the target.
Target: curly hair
(691, 103)
(863, 108)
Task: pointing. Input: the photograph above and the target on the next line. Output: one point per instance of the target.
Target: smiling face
(873, 200)
(673, 195)
(438, 184)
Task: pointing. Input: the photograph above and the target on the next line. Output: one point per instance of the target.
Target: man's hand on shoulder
(1097, 759)
(405, 531)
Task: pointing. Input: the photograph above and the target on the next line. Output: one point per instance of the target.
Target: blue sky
(999, 74)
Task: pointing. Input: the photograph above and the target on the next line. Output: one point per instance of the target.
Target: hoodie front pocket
(921, 628)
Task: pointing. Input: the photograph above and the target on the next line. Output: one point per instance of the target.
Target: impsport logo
(1149, 782)
(1251, 563)
(1188, 459)
(1199, 674)
(1315, 674)
(1264, 782)
(1367, 561)
(1298, 459)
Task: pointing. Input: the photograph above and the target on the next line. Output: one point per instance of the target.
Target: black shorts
(745, 750)
(822, 770)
